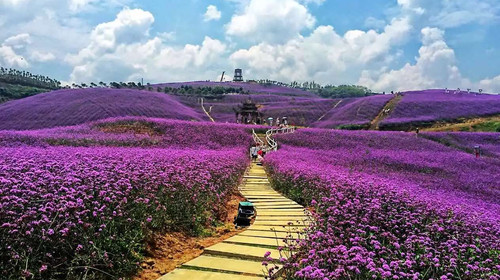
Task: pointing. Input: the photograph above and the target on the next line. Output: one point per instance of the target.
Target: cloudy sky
(385, 45)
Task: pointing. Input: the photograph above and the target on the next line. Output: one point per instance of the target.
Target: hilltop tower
(238, 75)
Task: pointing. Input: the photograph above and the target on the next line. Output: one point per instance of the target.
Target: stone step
(183, 274)
(259, 241)
(256, 190)
(273, 200)
(276, 203)
(240, 251)
(254, 193)
(225, 264)
(275, 212)
(276, 228)
(250, 197)
(282, 218)
(270, 234)
(281, 223)
(285, 207)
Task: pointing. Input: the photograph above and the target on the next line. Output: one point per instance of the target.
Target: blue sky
(385, 45)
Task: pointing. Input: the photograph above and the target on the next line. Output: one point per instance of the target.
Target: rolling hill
(425, 108)
(71, 107)
(405, 112)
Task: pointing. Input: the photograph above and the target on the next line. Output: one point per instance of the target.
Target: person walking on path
(253, 152)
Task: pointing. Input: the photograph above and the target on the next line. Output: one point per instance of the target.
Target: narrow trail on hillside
(206, 112)
(385, 112)
(241, 256)
(324, 115)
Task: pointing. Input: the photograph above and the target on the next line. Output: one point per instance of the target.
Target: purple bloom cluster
(69, 207)
(390, 205)
(359, 111)
(71, 107)
(489, 143)
(73, 212)
(165, 134)
(418, 108)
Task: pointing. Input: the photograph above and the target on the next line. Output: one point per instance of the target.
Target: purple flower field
(86, 212)
(299, 110)
(488, 142)
(417, 108)
(121, 132)
(71, 107)
(390, 205)
(359, 111)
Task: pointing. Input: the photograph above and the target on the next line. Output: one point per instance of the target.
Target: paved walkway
(241, 256)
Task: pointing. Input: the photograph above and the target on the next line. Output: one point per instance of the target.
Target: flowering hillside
(135, 132)
(357, 112)
(390, 205)
(466, 141)
(249, 87)
(87, 212)
(425, 107)
(299, 110)
(70, 107)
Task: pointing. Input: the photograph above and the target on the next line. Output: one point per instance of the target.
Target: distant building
(248, 113)
(238, 75)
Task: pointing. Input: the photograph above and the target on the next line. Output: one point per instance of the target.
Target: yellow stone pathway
(240, 257)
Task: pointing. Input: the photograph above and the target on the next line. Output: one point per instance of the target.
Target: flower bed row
(372, 223)
(135, 132)
(70, 213)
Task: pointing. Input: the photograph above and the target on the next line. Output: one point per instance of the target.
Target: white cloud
(9, 58)
(76, 5)
(19, 41)
(273, 21)
(491, 85)
(317, 2)
(167, 36)
(374, 23)
(449, 14)
(436, 66)
(8, 55)
(212, 13)
(123, 50)
(130, 26)
(42, 56)
(11, 2)
(323, 56)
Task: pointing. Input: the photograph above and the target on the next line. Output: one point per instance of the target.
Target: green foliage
(11, 92)
(342, 91)
(24, 78)
(203, 91)
(490, 126)
(354, 126)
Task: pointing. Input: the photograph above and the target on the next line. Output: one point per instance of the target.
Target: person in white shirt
(253, 152)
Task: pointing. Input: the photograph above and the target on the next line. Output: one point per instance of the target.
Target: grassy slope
(489, 124)
(13, 91)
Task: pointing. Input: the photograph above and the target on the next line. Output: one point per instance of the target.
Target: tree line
(25, 78)
(327, 91)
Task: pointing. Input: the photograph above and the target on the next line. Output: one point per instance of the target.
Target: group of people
(257, 153)
(281, 122)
